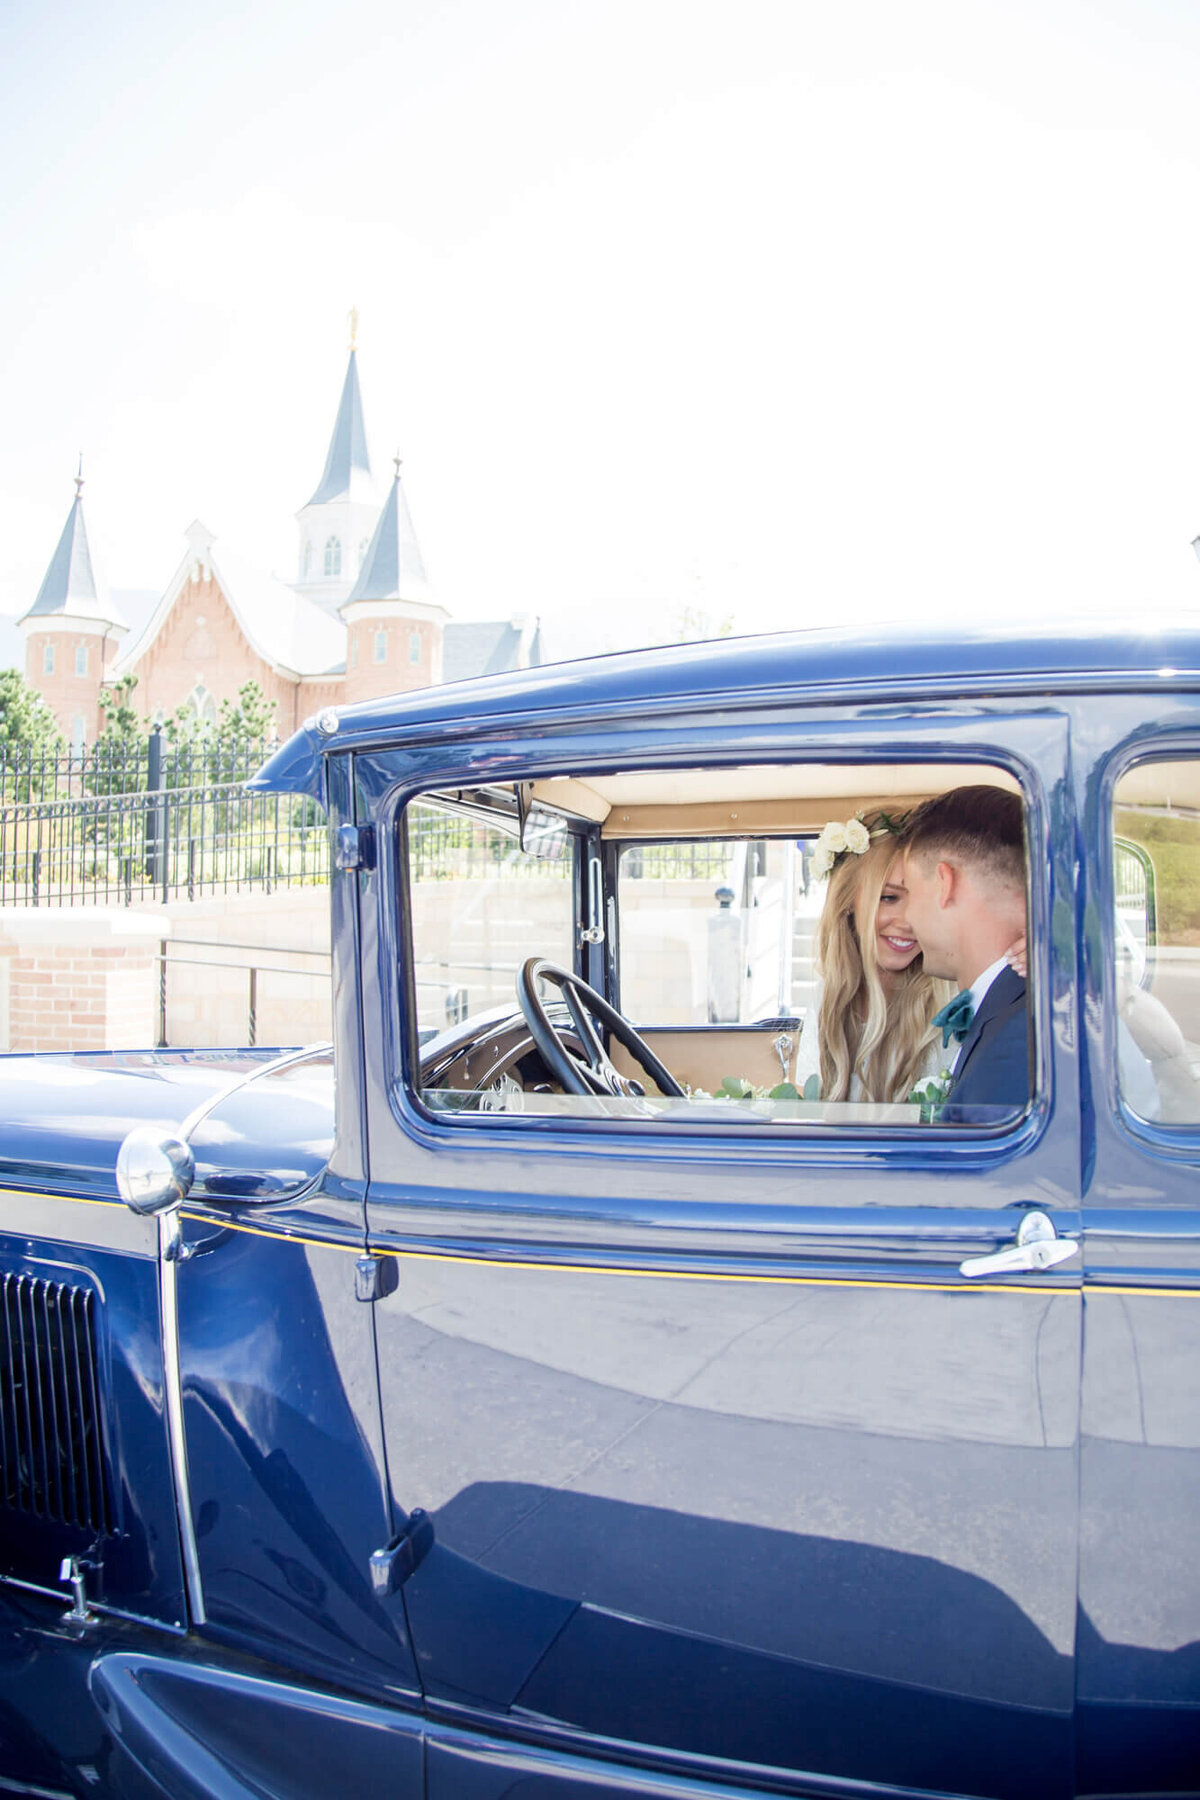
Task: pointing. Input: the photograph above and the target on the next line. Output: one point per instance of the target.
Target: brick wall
(200, 641)
(412, 656)
(71, 693)
(80, 978)
(87, 978)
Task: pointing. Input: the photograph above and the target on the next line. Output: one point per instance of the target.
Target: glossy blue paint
(65, 1115)
(736, 1483)
(197, 1731)
(596, 1367)
(287, 1484)
(904, 663)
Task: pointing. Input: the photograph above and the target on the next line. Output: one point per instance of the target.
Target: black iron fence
(30, 775)
(155, 821)
(149, 821)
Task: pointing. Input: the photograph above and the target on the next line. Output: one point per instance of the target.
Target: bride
(869, 1032)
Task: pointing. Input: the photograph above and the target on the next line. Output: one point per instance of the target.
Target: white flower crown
(837, 838)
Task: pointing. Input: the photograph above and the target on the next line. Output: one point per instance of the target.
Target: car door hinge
(391, 1567)
(354, 847)
(375, 1277)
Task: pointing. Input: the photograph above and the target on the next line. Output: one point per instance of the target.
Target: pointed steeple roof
(392, 568)
(70, 585)
(347, 467)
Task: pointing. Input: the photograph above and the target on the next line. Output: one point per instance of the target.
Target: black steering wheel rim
(595, 1074)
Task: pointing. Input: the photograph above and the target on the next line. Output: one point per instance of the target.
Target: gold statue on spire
(354, 328)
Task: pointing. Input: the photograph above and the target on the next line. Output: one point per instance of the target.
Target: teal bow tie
(955, 1018)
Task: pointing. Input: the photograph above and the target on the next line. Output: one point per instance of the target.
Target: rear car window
(1156, 884)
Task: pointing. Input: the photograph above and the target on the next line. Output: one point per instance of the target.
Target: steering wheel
(592, 1073)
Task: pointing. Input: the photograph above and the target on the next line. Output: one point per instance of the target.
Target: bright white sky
(792, 310)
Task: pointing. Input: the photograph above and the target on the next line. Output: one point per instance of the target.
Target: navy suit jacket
(994, 1068)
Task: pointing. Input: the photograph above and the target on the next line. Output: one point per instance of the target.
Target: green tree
(242, 728)
(120, 749)
(25, 719)
(29, 740)
(251, 721)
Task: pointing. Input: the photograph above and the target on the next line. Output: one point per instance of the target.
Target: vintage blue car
(535, 1394)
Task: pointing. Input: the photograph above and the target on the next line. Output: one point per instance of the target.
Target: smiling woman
(869, 1033)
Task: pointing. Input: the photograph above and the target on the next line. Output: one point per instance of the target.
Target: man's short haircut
(982, 826)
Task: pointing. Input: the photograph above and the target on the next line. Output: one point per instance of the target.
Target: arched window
(333, 556)
(381, 646)
(414, 646)
(81, 659)
(48, 660)
(201, 703)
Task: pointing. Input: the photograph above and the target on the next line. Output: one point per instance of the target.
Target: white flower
(822, 861)
(857, 836)
(834, 837)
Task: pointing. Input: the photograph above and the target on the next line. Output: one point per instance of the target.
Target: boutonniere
(931, 1095)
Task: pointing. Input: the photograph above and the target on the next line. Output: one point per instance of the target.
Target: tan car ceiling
(757, 800)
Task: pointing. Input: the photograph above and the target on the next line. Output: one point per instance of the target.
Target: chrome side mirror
(155, 1170)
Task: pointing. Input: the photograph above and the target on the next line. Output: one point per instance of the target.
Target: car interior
(691, 897)
(638, 943)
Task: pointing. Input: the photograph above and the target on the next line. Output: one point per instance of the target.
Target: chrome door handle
(1038, 1246)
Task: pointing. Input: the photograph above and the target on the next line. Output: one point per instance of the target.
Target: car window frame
(922, 737)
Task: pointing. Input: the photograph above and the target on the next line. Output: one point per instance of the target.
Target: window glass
(1156, 879)
(81, 659)
(48, 660)
(333, 556)
(712, 1008)
(414, 646)
(479, 905)
(381, 646)
(709, 931)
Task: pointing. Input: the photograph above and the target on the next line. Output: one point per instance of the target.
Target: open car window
(690, 900)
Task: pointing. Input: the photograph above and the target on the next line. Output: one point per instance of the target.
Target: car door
(1139, 1620)
(730, 1468)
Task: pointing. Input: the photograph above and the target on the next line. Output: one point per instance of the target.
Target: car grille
(51, 1462)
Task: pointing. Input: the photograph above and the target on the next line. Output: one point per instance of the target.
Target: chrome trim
(171, 1252)
(233, 1086)
(177, 1629)
(169, 1242)
(1038, 1246)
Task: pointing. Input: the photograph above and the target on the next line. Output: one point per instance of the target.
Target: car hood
(268, 1132)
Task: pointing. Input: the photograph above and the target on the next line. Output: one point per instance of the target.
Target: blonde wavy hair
(864, 1030)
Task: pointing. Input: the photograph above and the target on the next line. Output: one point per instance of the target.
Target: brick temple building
(358, 621)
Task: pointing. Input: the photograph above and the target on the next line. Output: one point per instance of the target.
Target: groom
(964, 870)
